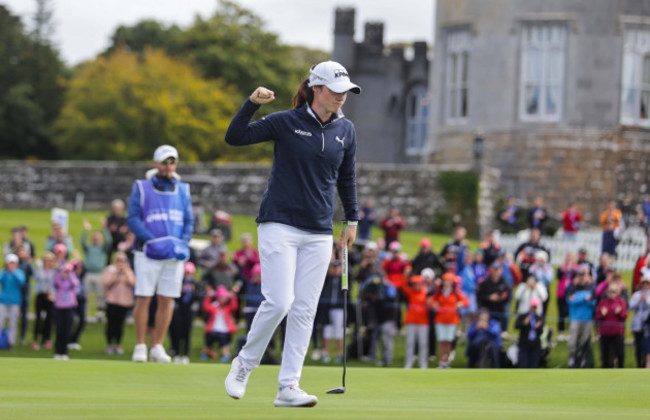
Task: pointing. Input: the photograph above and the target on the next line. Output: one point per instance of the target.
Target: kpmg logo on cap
(341, 73)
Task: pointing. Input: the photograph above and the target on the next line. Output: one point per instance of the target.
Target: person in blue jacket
(581, 298)
(484, 341)
(160, 217)
(12, 280)
(313, 155)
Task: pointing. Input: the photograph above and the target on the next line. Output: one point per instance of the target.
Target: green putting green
(92, 389)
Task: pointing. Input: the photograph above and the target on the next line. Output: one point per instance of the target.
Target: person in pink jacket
(611, 314)
(118, 280)
(219, 306)
(66, 287)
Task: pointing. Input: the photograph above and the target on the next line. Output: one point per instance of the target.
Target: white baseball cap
(11, 258)
(334, 76)
(164, 152)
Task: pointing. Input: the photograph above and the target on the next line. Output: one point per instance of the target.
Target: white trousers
(294, 264)
(420, 334)
(12, 312)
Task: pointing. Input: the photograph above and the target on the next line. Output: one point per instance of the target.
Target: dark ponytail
(304, 95)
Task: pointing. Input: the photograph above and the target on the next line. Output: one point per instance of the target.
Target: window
(417, 111)
(635, 96)
(542, 72)
(457, 71)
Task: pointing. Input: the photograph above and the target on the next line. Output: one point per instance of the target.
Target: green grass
(102, 390)
(38, 222)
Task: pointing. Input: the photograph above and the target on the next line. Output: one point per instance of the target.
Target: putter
(344, 287)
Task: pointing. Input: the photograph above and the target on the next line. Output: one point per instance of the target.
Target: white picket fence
(631, 246)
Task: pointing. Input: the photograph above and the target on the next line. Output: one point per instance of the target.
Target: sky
(83, 27)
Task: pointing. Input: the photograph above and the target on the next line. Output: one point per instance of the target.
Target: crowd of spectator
(437, 300)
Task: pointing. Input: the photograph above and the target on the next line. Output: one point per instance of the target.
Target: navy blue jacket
(310, 158)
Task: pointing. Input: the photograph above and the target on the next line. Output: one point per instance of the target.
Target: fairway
(45, 388)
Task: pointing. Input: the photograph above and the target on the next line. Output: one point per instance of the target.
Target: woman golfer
(314, 151)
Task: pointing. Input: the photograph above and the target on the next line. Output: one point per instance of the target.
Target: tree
(146, 33)
(123, 106)
(31, 90)
(232, 45)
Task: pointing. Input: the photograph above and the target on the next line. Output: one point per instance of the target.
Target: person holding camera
(493, 294)
(379, 302)
(581, 297)
(527, 291)
(484, 341)
(417, 322)
(530, 325)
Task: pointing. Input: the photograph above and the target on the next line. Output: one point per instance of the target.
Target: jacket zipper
(322, 127)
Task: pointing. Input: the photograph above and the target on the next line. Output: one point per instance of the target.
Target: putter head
(340, 390)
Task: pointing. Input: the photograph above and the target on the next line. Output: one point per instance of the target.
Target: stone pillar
(487, 192)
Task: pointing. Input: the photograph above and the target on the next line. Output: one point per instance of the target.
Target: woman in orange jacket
(417, 322)
(446, 301)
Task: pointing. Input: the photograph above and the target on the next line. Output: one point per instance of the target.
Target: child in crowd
(530, 326)
(611, 314)
(446, 301)
(12, 279)
(44, 307)
(66, 285)
(118, 280)
(219, 306)
(417, 323)
(180, 329)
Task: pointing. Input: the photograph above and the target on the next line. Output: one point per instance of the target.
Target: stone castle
(549, 98)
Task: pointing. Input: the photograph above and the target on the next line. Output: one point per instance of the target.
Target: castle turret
(373, 40)
(344, 37)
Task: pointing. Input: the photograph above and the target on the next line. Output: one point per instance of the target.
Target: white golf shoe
(158, 354)
(292, 396)
(139, 353)
(237, 379)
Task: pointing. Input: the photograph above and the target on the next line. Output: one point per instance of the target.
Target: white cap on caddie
(334, 76)
(164, 152)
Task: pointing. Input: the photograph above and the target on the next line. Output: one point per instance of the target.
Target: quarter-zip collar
(339, 115)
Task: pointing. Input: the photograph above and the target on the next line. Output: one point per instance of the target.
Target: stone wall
(588, 165)
(235, 188)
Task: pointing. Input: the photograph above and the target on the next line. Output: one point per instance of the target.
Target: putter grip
(344, 268)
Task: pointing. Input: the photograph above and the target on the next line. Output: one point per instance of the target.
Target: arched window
(417, 113)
